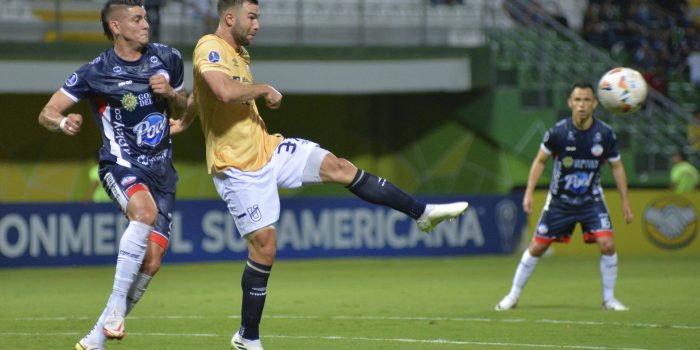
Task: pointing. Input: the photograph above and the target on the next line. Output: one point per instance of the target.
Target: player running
(133, 89)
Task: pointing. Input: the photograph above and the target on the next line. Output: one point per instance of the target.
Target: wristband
(62, 124)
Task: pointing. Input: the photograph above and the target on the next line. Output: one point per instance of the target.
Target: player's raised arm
(52, 118)
(618, 172)
(536, 171)
(227, 90)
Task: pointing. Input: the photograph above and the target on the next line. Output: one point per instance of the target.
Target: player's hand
(273, 99)
(177, 126)
(160, 84)
(72, 124)
(627, 212)
(527, 203)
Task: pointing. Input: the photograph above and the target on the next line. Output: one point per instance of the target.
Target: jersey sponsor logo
(214, 57)
(117, 70)
(72, 80)
(586, 163)
(597, 137)
(157, 158)
(125, 83)
(545, 138)
(670, 222)
(570, 136)
(597, 150)
(578, 182)
(571, 148)
(150, 130)
(129, 102)
(97, 59)
(567, 162)
(254, 213)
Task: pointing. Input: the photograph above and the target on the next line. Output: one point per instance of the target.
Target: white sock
(137, 289)
(608, 272)
(132, 249)
(522, 273)
(95, 336)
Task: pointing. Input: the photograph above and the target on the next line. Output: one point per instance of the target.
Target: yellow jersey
(235, 135)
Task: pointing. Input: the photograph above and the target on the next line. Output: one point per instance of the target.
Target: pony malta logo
(151, 129)
(671, 222)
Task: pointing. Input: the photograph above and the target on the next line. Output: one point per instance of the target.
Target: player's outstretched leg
(381, 191)
(437, 213)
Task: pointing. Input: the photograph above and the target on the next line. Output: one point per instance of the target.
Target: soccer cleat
(507, 303)
(614, 305)
(113, 327)
(82, 345)
(240, 343)
(437, 213)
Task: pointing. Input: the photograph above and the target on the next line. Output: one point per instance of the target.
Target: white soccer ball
(622, 90)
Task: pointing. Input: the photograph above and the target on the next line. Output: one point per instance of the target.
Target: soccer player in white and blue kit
(580, 146)
(134, 89)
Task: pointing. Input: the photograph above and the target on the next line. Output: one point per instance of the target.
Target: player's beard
(240, 35)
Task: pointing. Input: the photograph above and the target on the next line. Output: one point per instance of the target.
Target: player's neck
(228, 38)
(128, 53)
(582, 123)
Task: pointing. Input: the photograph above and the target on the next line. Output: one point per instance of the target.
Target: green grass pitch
(422, 303)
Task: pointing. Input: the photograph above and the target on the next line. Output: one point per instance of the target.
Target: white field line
(343, 338)
(391, 318)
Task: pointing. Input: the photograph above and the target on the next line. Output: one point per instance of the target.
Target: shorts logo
(254, 213)
(128, 180)
(150, 130)
(671, 222)
(542, 229)
(214, 57)
(72, 80)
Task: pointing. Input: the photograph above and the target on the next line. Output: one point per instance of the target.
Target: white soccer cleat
(113, 327)
(437, 213)
(507, 303)
(82, 345)
(240, 343)
(614, 305)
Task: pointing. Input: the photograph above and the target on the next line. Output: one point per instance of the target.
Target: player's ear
(114, 27)
(230, 18)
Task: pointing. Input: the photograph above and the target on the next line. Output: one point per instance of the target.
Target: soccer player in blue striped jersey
(580, 146)
(134, 89)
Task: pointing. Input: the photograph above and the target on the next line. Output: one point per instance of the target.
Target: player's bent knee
(262, 246)
(151, 266)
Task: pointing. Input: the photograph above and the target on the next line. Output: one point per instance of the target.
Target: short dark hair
(583, 85)
(224, 5)
(107, 9)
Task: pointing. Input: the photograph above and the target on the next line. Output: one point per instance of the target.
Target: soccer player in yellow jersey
(248, 164)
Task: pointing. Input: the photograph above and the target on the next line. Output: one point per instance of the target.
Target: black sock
(377, 190)
(254, 286)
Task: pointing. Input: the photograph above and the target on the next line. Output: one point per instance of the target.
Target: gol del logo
(670, 222)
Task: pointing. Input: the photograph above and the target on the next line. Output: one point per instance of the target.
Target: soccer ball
(622, 90)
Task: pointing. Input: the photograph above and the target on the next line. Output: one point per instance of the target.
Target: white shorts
(252, 197)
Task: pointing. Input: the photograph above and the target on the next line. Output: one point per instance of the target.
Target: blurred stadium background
(448, 98)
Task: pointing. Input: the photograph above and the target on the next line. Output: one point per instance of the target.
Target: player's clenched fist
(70, 125)
(273, 98)
(160, 84)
